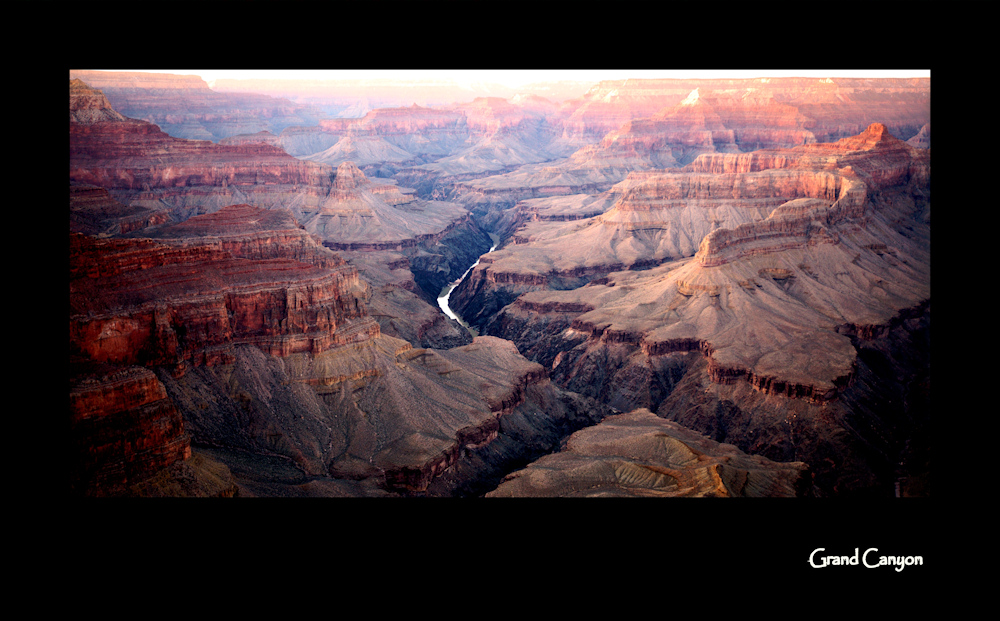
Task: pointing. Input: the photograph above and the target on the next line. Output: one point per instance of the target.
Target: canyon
(679, 288)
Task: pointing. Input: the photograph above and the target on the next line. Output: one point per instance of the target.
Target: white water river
(446, 291)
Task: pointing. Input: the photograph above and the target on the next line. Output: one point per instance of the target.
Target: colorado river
(446, 291)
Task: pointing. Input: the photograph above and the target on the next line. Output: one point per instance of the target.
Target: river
(447, 289)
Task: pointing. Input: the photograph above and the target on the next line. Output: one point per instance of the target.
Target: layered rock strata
(140, 165)
(360, 214)
(92, 211)
(834, 107)
(162, 179)
(641, 455)
(382, 135)
(761, 305)
(123, 429)
(652, 124)
(429, 149)
(260, 338)
(185, 107)
(408, 248)
(504, 134)
(389, 417)
(720, 204)
(184, 300)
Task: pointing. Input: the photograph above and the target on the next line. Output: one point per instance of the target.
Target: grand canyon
(636, 288)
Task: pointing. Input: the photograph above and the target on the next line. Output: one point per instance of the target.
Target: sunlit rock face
(772, 305)
(642, 125)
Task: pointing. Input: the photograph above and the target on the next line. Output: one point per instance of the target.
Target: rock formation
(92, 211)
(237, 331)
(382, 135)
(429, 148)
(763, 304)
(123, 429)
(184, 106)
(141, 166)
(182, 302)
(358, 213)
(641, 455)
(242, 275)
(654, 124)
(741, 265)
(835, 107)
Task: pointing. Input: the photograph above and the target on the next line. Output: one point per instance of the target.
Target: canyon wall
(184, 106)
(231, 301)
(756, 310)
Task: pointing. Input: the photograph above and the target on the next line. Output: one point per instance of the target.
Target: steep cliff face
(868, 164)
(871, 441)
(279, 315)
(655, 124)
(238, 332)
(166, 303)
(761, 304)
(160, 180)
(141, 165)
(124, 428)
(722, 205)
(437, 240)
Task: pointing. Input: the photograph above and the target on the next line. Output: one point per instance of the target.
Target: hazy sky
(515, 78)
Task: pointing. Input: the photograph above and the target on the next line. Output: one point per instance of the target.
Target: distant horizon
(515, 78)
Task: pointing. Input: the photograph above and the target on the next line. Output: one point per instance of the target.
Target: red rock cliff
(189, 299)
(112, 151)
(123, 428)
